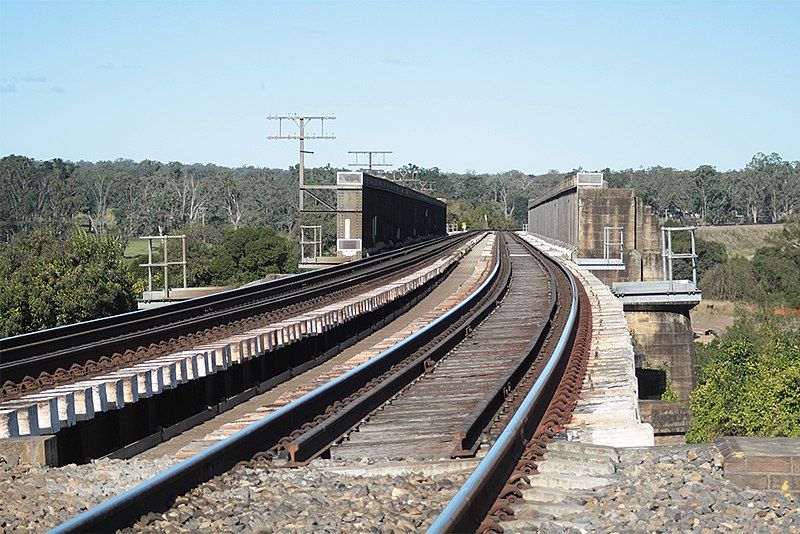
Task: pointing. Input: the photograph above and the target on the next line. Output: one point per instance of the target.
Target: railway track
(464, 278)
(488, 497)
(131, 405)
(519, 324)
(48, 358)
(445, 411)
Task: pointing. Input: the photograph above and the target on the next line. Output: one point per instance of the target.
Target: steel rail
(157, 493)
(316, 440)
(467, 509)
(44, 340)
(28, 354)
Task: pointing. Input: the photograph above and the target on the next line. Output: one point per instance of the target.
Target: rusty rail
(280, 428)
(468, 510)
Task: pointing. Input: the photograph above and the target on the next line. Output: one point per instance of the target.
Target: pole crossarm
(298, 117)
(300, 122)
(307, 138)
(371, 157)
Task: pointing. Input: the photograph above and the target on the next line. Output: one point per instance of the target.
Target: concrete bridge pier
(664, 353)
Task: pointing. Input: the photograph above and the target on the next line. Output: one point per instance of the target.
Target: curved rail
(470, 505)
(156, 493)
(28, 355)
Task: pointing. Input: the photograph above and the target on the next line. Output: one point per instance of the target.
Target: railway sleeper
(401, 372)
(129, 417)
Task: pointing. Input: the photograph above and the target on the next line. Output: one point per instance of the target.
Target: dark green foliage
(219, 257)
(732, 280)
(37, 194)
(778, 277)
(749, 380)
(488, 215)
(709, 254)
(49, 280)
(202, 244)
(249, 254)
(130, 199)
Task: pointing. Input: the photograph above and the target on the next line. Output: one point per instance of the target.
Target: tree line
(127, 198)
(766, 190)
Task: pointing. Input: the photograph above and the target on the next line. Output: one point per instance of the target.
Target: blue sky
(475, 85)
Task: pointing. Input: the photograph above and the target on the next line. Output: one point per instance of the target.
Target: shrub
(251, 253)
(47, 280)
(749, 381)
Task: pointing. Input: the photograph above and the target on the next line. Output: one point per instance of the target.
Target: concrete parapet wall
(601, 208)
(608, 409)
(557, 219)
(598, 208)
(578, 216)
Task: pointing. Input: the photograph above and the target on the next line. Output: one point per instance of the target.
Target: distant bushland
(128, 199)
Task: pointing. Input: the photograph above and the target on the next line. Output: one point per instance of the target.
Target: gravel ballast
(661, 489)
(263, 499)
(670, 489)
(36, 499)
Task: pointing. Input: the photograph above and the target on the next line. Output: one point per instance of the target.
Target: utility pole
(301, 121)
(370, 154)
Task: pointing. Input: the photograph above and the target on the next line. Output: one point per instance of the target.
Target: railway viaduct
(464, 364)
(615, 236)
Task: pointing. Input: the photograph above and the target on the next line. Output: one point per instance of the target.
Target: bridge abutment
(665, 363)
(663, 339)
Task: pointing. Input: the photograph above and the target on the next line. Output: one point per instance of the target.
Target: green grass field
(136, 247)
(740, 240)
